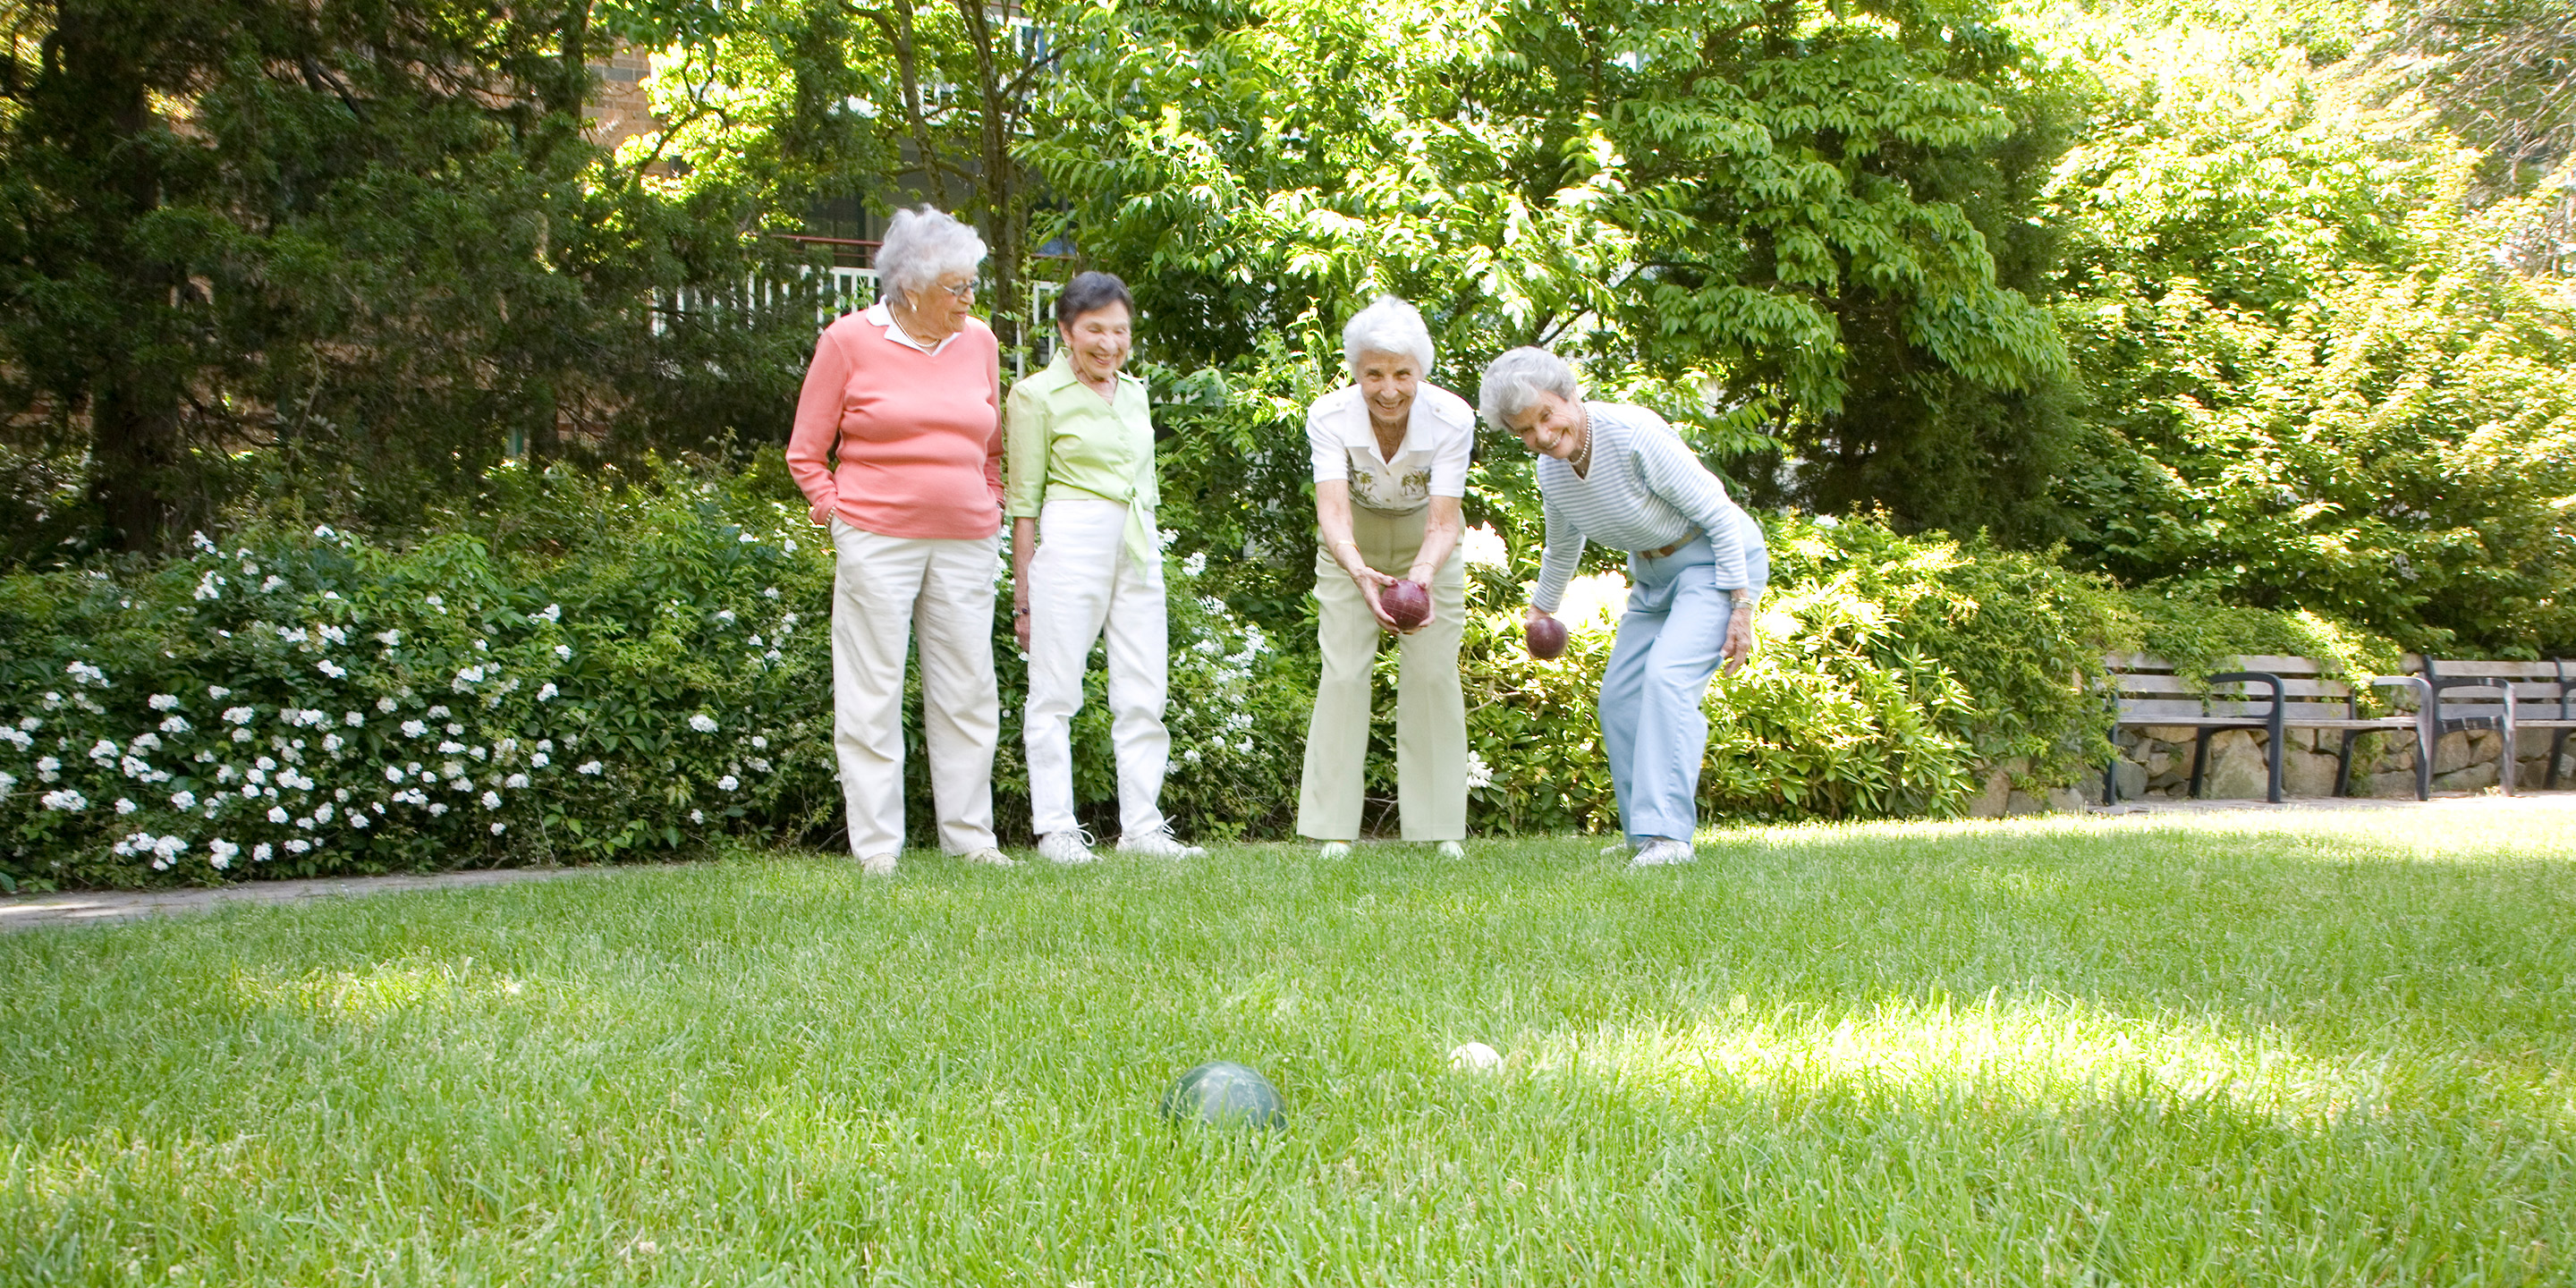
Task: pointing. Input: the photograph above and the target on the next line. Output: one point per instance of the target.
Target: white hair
(921, 246)
(1389, 325)
(1514, 381)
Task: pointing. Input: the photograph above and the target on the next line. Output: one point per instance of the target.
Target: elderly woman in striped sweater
(1619, 475)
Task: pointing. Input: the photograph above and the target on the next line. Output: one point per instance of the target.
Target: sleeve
(1557, 563)
(1672, 473)
(1331, 466)
(818, 428)
(1757, 554)
(1025, 436)
(993, 399)
(1449, 460)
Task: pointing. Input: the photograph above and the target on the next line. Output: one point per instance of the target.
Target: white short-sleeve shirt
(1439, 437)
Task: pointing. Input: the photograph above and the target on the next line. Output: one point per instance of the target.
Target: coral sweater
(918, 436)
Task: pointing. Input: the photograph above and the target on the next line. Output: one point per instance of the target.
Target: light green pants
(1430, 713)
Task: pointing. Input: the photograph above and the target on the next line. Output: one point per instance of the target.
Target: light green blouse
(1058, 433)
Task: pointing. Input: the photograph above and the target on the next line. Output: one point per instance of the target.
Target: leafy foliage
(587, 672)
(2314, 382)
(370, 238)
(1787, 227)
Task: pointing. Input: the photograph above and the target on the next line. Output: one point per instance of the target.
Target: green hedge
(592, 668)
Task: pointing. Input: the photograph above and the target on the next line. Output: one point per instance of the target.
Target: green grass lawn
(2233, 1050)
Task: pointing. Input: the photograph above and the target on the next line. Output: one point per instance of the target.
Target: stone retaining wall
(2155, 761)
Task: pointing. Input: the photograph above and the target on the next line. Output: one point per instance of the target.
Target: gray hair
(921, 246)
(1514, 381)
(1389, 325)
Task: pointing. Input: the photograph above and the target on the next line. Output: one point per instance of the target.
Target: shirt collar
(1058, 372)
(1365, 433)
(1058, 376)
(884, 317)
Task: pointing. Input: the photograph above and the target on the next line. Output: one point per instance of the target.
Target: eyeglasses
(963, 290)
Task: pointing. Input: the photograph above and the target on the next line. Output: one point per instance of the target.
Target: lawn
(2243, 1049)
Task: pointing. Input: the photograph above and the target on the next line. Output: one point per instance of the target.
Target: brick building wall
(618, 109)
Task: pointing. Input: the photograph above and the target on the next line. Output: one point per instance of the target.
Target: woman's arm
(1025, 434)
(1439, 537)
(1558, 560)
(1024, 543)
(1757, 578)
(817, 433)
(1333, 520)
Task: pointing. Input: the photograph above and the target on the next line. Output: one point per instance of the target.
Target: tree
(364, 238)
(2316, 380)
(794, 98)
(1784, 225)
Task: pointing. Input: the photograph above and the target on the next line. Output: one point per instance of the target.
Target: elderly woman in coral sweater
(898, 446)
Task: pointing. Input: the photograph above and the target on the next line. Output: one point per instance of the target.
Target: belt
(1666, 552)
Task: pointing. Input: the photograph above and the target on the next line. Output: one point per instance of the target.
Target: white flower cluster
(1211, 712)
(285, 761)
(163, 849)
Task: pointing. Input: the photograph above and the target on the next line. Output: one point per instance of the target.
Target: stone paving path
(21, 912)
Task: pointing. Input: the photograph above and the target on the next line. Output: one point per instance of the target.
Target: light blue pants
(1671, 641)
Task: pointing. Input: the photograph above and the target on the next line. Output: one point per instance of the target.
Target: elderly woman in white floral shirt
(1390, 456)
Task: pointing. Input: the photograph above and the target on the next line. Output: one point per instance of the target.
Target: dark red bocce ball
(1546, 637)
(1408, 602)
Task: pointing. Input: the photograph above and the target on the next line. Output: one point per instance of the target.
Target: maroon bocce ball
(1408, 603)
(1546, 637)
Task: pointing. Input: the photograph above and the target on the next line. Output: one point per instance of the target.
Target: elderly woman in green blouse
(1079, 451)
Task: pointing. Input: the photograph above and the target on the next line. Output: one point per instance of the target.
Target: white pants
(1081, 580)
(882, 586)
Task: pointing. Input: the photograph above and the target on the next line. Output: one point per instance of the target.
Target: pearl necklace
(1582, 461)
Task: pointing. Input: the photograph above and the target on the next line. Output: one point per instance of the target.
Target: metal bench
(2508, 697)
(2274, 694)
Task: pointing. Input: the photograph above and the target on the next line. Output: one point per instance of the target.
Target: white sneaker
(1159, 844)
(1622, 846)
(1335, 850)
(1068, 847)
(877, 865)
(1452, 850)
(1661, 851)
(990, 857)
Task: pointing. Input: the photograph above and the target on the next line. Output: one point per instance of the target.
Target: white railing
(836, 289)
(839, 289)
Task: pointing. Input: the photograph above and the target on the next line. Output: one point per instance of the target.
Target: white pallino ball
(1475, 1057)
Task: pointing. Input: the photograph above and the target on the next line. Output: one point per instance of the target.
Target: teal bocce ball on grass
(1225, 1094)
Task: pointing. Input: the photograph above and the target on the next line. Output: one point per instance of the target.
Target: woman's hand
(1370, 582)
(1422, 577)
(1020, 624)
(1739, 635)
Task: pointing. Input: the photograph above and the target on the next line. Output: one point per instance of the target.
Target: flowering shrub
(1236, 714)
(1833, 717)
(1892, 672)
(309, 704)
(637, 669)
(592, 672)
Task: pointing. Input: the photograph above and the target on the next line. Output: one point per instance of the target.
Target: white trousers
(881, 587)
(1082, 580)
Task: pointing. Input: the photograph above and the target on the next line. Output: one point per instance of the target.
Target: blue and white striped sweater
(1646, 490)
